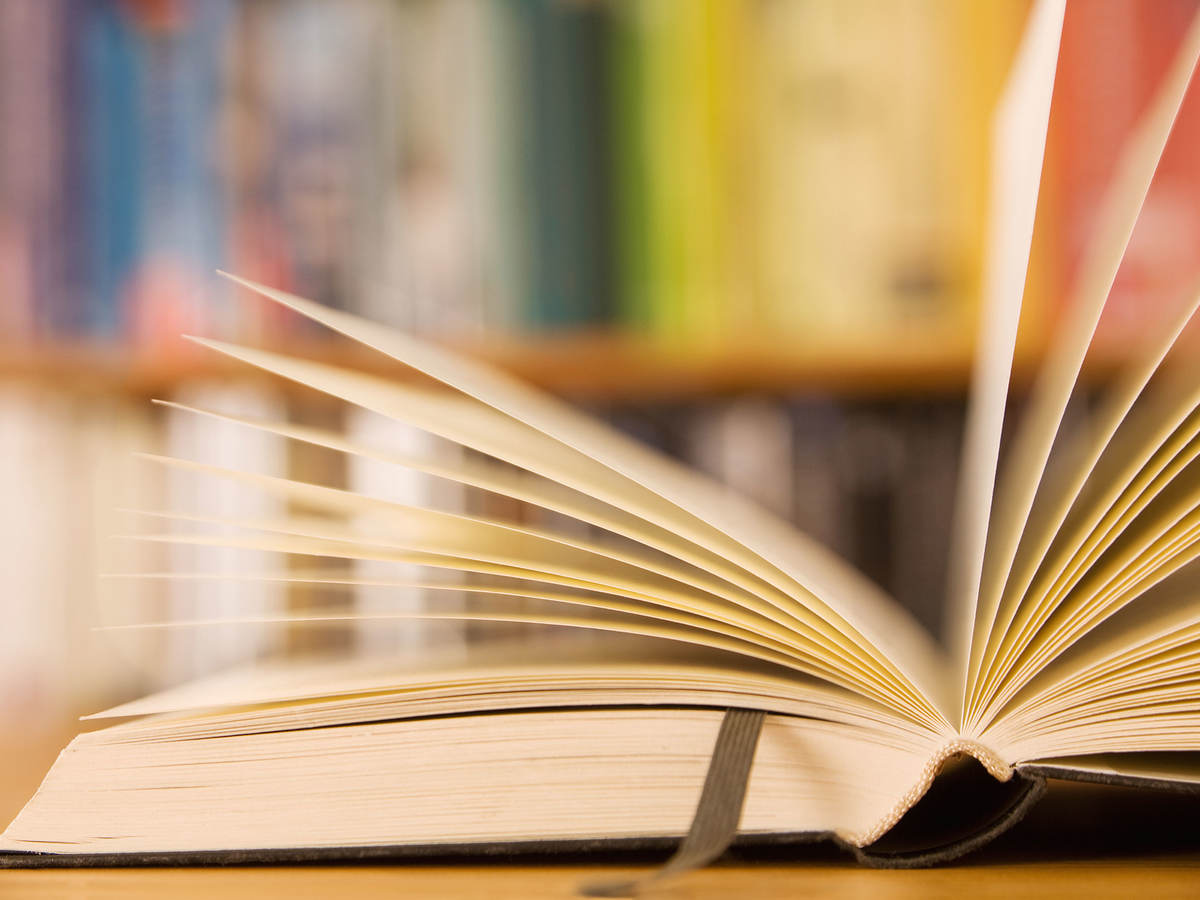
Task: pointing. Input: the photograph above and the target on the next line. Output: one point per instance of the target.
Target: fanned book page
(1075, 651)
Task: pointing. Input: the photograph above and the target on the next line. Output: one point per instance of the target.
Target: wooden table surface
(1112, 843)
(1126, 880)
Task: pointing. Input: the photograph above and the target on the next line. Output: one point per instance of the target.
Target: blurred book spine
(805, 170)
(563, 140)
(35, 442)
(444, 108)
(1113, 58)
(32, 144)
(191, 652)
(375, 476)
(675, 86)
(854, 168)
(66, 465)
(182, 234)
(106, 95)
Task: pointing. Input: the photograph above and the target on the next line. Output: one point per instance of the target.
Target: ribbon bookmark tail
(719, 810)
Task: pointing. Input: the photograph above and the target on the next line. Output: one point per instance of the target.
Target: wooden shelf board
(593, 367)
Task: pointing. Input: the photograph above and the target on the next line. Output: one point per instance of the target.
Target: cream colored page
(603, 618)
(1018, 148)
(520, 485)
(718, 622)
(1166, 733)
(294, 691)
(1159, 709)
(555, 496)
(1161, 622)
(812, 660)
(472, 424)
(1157, 768)
(563, 567)
(1161, 543)
(1141, 462)
(752, 536)
(459, 534)
(599, 615)
(467, 421)
(386, 519)
(607, 691)
(1140, 476)
(1161, 694)
(1053, 536)
(1116, 218)
(711, 617)
(559, 498)
(1169, 552)
(591, 618)
(1130, 685)
(1116, 582)
(1146, 646)
(632, 773)
(1133, 571)
(481, 541)
(1062, 485)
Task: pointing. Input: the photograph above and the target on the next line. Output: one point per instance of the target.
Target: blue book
(108, 78)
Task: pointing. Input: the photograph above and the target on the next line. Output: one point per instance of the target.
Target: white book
(35, 443)
(194, 653)
(391, 481)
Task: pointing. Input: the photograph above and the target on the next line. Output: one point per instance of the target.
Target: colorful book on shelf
(32, 196)
(562, 83)
(752, 684)
(863, 157)
(674, 84)
(111, 71)
(1113, 59)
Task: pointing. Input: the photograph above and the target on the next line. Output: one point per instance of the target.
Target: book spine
(1097, 106)
(436, 125)
(397, 484)
(983, 37)
(110, 82)
(35, 438)
(819, 503)
(495, 144)
(924, 486)
(858, 171)
(31, 161)
(194, 652)
(255, 243)
(748, 445)
(106, 478)
(681, 129)
(67, 464)
(563, 77)
(321, 64)
(182, 209)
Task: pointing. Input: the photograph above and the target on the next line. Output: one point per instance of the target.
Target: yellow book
(683, 96)
(870, 140)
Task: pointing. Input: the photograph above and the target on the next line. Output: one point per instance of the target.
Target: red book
(1114, 56)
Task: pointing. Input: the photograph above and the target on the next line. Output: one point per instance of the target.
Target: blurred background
(748, 231)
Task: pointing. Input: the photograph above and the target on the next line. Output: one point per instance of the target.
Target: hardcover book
(749, 684)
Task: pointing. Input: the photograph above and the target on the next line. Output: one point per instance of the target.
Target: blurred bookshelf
(748, 232)
(599, 367)
(535, 178)
(594, 366)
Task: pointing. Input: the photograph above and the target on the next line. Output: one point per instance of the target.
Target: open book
(1075, 650)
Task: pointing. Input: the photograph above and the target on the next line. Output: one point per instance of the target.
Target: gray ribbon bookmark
(715, 823)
